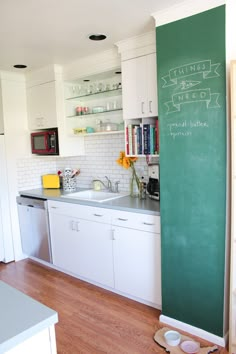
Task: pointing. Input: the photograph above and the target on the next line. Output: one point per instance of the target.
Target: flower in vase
(128, 162)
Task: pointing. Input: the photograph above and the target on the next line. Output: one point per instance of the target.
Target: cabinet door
(82, 247)
(139, 80)
(95, 258)
(137, 264)
(64, 242)
(152, 85)
(134, 88)
(42, 342)
(41, 102)
(1, 235)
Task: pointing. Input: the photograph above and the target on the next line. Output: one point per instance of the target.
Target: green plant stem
(135, 175)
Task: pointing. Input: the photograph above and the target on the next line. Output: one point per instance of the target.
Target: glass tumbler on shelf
(108, 87)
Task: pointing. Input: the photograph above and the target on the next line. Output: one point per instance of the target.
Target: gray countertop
(127, 203)
(21, 317)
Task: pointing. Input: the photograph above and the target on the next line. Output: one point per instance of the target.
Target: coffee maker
(153, 186)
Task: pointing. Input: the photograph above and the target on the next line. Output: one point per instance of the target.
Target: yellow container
(51, 181)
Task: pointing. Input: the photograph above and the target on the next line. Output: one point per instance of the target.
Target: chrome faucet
(109, 186)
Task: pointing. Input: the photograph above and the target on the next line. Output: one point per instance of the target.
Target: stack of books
(142, 139)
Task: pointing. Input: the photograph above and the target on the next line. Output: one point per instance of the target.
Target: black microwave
(45, 142)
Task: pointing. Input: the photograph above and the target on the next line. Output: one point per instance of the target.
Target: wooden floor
(91, 320)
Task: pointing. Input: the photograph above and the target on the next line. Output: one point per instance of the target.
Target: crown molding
(137, 46)
(92, 64)
(184, 9)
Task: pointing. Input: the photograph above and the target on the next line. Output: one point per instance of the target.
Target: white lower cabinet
(43, 342)
(119, 250)
(82, 247)
(137, 255)
(137, 265)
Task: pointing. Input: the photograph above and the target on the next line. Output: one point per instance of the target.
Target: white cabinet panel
(1, 235)
(121, 250)
(42, 110)
(43, 342)
(64, 242)
(6, 242)
(152, 84)
(134, 93)
(145, 222)
(139, 83)
(95, 258)
(82, 247)
(46, 109)
(81, 211)
(137, 264)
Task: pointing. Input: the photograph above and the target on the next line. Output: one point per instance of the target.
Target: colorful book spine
(146, 139)
(152, 140)
(130, 138)
(140, 140)
(127, 140)
(135, 139)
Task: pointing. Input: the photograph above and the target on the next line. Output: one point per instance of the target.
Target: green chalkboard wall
(192, 119)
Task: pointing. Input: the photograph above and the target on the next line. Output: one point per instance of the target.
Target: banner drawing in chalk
(204, 67)
(191, 96)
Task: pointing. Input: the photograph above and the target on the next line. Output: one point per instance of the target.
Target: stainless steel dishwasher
(34, 227)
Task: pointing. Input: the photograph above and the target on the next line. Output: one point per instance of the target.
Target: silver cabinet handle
(122, 219)
(113, 234)
(149, 224)
(142, 107)
(150, 106)
(77, 226)
(53, 207)
(98, 215)
(72, 224)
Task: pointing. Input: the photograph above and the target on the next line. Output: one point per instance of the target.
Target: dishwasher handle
(32, 202)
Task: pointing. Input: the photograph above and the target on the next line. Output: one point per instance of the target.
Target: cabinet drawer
(144, 222)
(80, 211)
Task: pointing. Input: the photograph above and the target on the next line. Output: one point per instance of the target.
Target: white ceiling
(42, 32)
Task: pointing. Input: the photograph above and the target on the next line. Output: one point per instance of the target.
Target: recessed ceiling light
(20, 66)
(97, 37)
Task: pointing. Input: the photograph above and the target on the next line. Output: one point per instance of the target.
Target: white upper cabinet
(46, 108)
(152, 84)
(42, 106)
(139, 80)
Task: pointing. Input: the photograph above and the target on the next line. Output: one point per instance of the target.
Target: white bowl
(172, 338)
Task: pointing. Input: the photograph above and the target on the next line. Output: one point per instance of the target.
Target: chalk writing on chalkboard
(178, 79)
(185, 128)
(205, 67)
(198, 95)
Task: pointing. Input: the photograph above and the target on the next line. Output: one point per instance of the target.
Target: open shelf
(94, 113)
(109, 93)
(114, 132)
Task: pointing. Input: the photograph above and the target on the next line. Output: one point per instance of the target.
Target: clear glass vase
(134, 185)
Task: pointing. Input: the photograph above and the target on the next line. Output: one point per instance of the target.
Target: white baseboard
(193, 330)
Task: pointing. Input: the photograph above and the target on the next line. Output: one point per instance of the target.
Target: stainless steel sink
(95, 196)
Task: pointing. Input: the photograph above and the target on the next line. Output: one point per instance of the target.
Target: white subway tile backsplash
(101, 153)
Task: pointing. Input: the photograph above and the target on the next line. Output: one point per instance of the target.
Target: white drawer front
(144, 222)
(80, 211)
